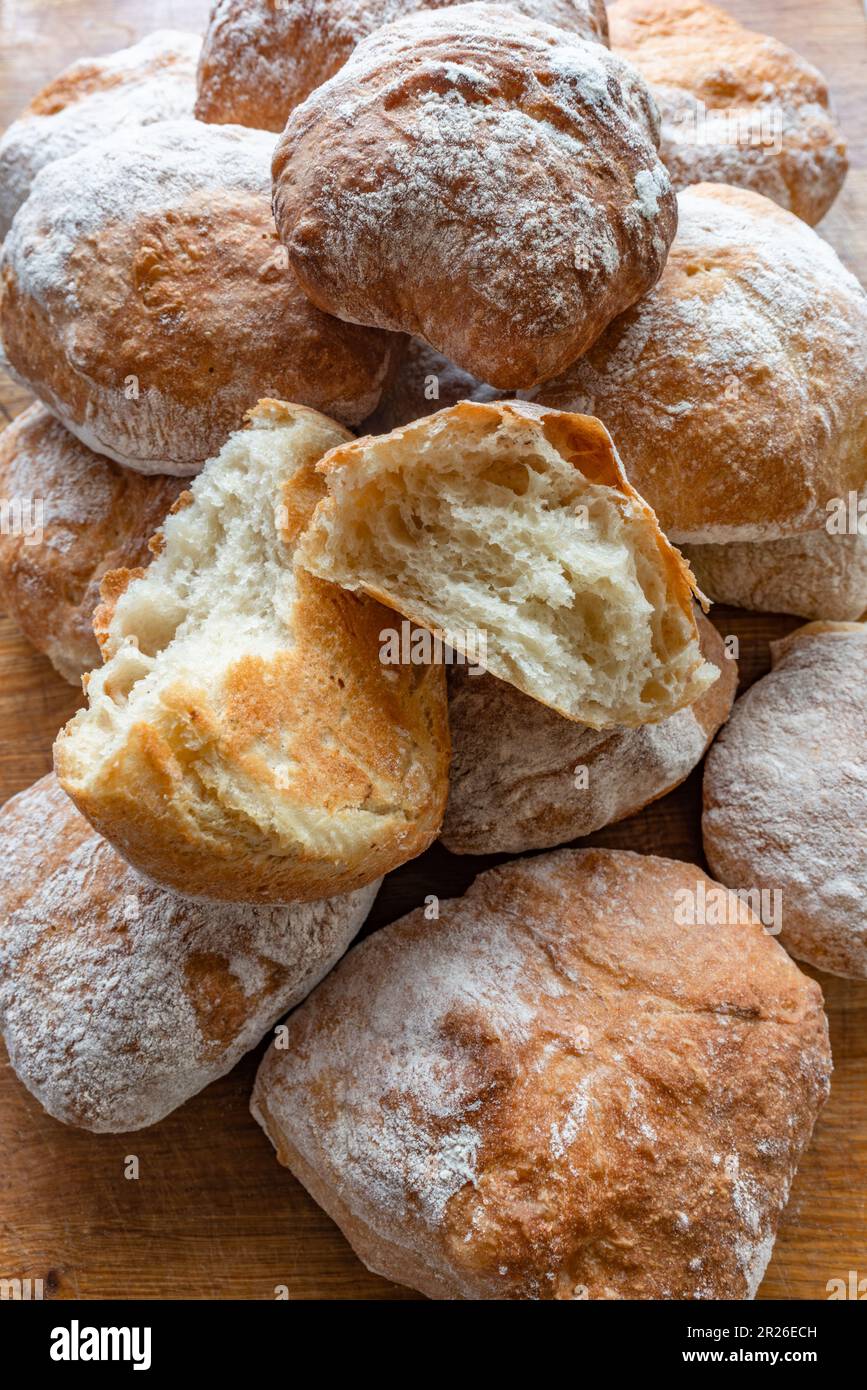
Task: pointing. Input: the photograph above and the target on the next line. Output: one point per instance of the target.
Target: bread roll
(558, 1090)
(87, 515)
(737, 390)
(147, 301)
(785, 794)
(816, 575)
(243, 740)
(424, 383)
(523, 777)
(118, 1000)
(260, 59)
(482, 180)
(737, 107)
(154, 80)
(513, 529)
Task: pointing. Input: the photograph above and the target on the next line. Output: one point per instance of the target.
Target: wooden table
(211, 1214)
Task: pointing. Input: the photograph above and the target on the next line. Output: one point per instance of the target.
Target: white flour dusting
(440, 1084)
(152, 81)
(119, 1000)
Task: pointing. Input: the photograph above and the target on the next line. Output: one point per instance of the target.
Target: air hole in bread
(509, 473)
(130, 666)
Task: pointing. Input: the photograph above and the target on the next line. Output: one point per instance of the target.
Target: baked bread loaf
(243, 740)
(119, 1000)
(131, 267)
(513, 532)
(736, 107)
(424, 383)
(482, 180)
(785, 794)
(261, 59)
(737, 389)
(523, 777)
(559, 1091)
(87, 515)
(154, 80)
(815, 575)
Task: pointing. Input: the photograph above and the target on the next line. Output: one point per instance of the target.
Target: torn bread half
(243, 740)
(512, 530)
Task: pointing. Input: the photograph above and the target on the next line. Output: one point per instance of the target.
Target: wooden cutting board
(211, 1214)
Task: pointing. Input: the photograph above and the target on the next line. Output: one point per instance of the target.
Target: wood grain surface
(211, 1215)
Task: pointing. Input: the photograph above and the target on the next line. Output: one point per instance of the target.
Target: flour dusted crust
(261, 59)
(557, 1091)
(482, 180)
(154, 80)
(147, 301)
(737, 389)
(424, 383)
(118, 1000)
(735, 106)
(785, 794)
(243, 741)
(816, 575)
(95, 517)
(513, 783)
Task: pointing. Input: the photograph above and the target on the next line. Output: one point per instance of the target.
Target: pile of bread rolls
(458, 320)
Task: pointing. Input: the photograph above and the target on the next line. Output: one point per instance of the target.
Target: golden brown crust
(206, 794)
(329, 681)
(821, 627)
(481, 180)
(736, 391)
(93, 516)
(580, 1097)
(166, 993)
(122, 327)
(737, 107)
(260, 60)
(522, 777)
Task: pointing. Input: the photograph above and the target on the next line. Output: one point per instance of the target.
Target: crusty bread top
(672, 41)
(785, 791)
(260, 59)
(119, 1000)
(736, 106)
(736, 391)
(146, 299)
(558, 1090)
(154, 80)
(482, 180)
(514, 781)
(820, 628)
(95, 517)
(243, 740)
(813, 575)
